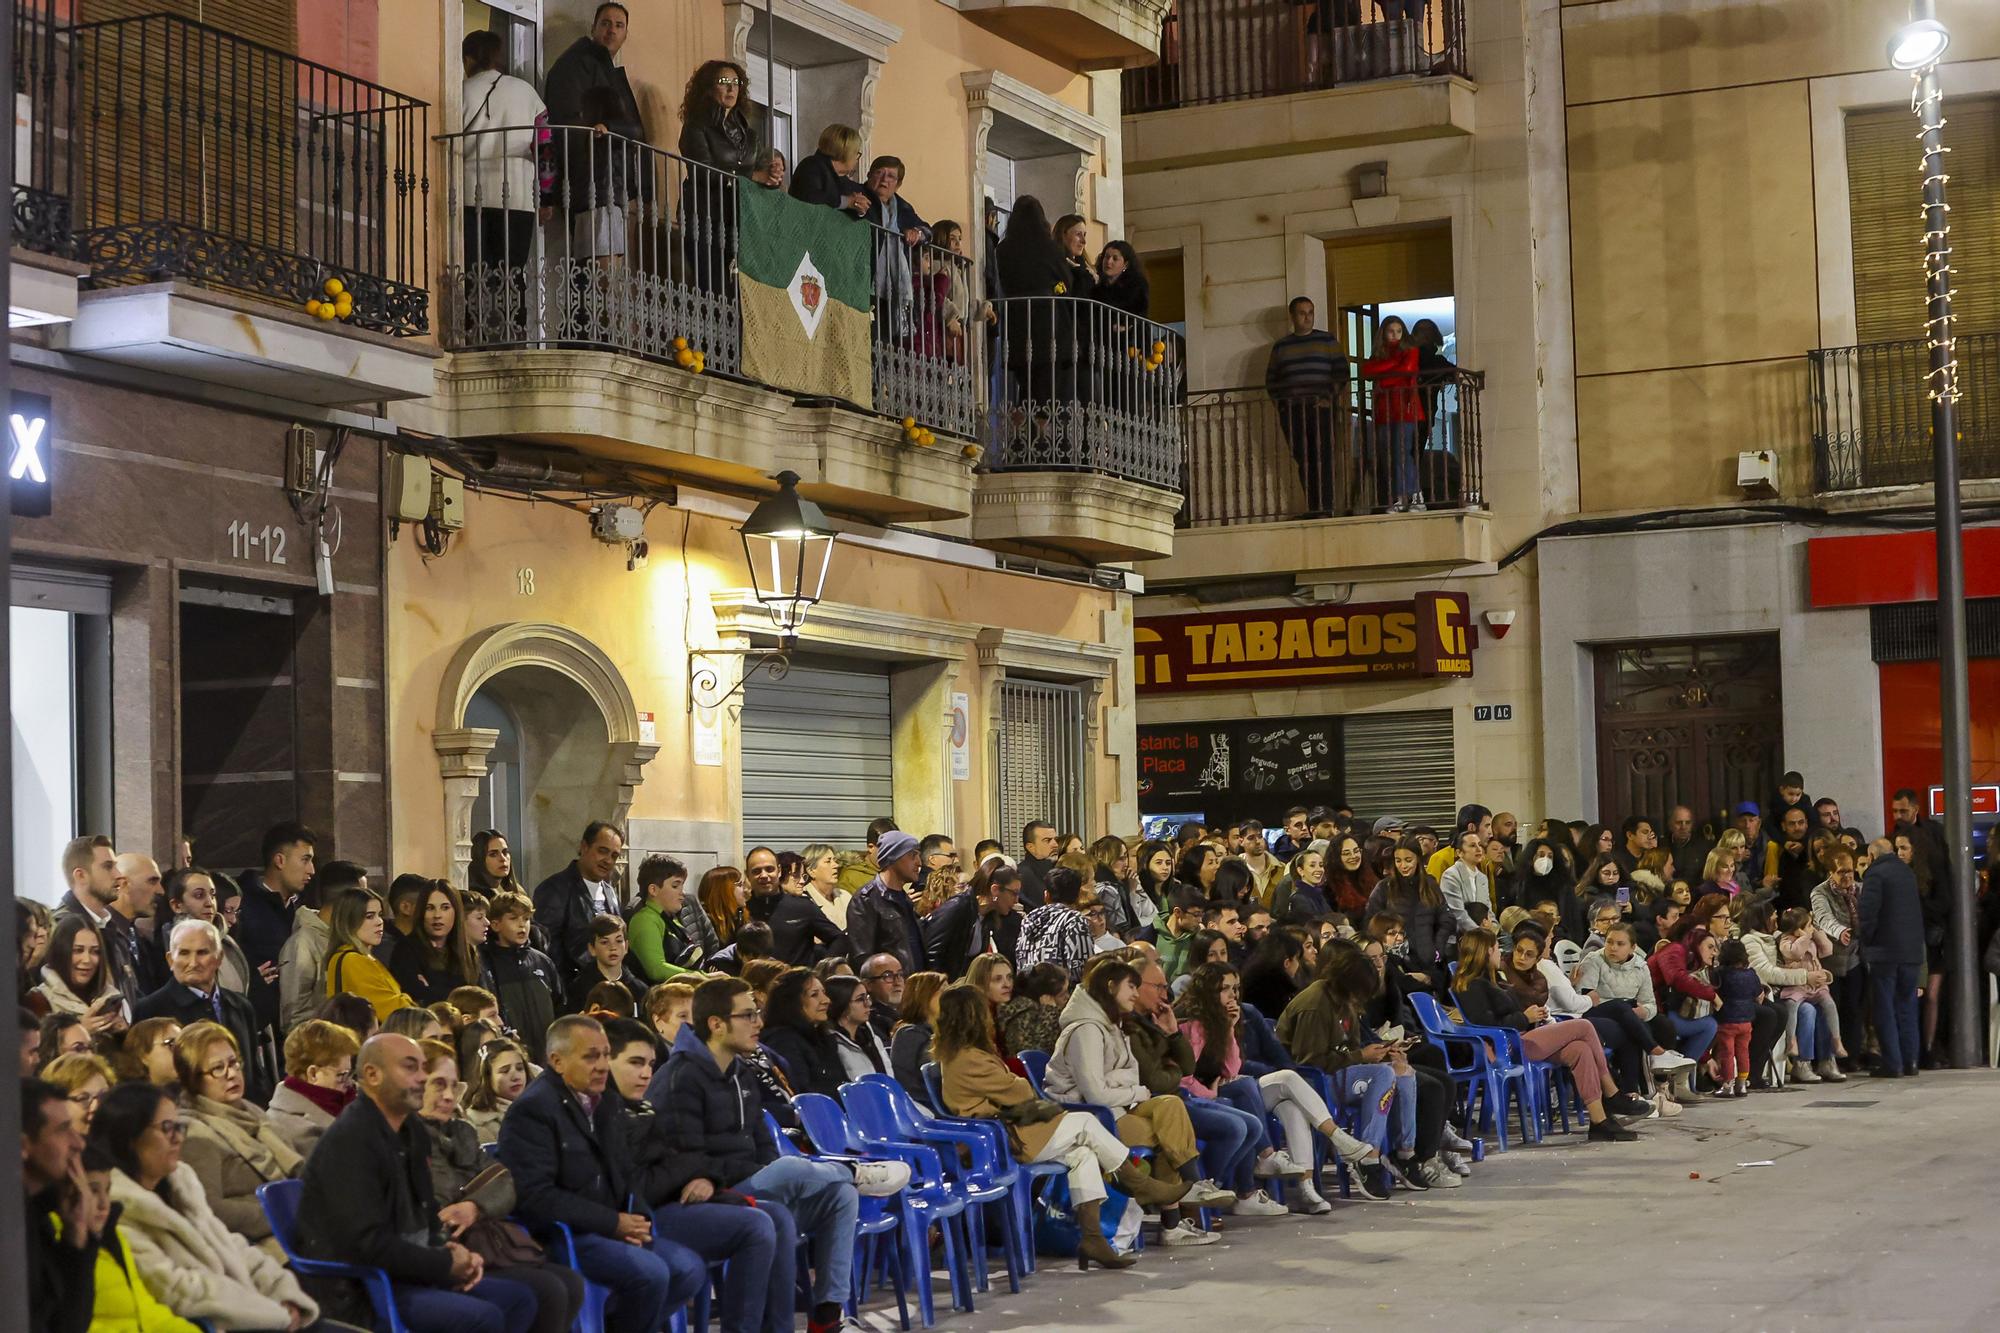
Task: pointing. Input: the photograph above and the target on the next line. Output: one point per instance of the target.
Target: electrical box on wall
(448, 503)
(1757, 472)
(409, 488)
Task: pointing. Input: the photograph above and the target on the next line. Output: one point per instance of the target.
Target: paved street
(1873, 1216)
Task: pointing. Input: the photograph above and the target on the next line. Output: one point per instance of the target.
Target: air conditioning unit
(1757, 472)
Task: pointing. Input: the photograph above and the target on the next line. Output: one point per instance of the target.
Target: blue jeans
(1396, 460)
(1232, 1141)
(1815, 1038)
(1894, 987)
(760, 1246)
(1696, 1034)
(826, 1207)
(1387, 1102)
(646, 1285)
(494, 1306)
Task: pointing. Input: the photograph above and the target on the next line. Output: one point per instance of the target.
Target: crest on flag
(808, 292)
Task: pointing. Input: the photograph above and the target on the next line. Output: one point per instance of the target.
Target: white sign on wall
(961, 738)
(708, 737)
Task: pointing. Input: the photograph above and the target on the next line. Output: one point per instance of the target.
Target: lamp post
(1917, 48)
(788, 546)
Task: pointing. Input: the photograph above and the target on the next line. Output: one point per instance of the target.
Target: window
(1041, 756)
(60, 682)
(1166, 274)
(1000, 185)
(519, 22)
(1882, 181)
(781, 99)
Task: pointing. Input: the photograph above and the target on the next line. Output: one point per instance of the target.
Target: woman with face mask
(1543, 870)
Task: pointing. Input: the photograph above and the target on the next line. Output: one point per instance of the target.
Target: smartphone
(105, 1001)
(1624, 895)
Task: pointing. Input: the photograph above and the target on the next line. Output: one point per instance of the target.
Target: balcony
(1088, 34)
(1871, 414)
(556, 339)
(1083, 450)
(219, 186)
(1235, 50)
(1309, 486)
(42, 277)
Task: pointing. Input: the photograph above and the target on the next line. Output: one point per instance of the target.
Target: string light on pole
(1918, 48)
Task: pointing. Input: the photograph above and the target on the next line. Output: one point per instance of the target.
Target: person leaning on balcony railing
(895, 283)
(504, 125)
(769, 168)
(827, 176)
(944, 294)
(1306, 380)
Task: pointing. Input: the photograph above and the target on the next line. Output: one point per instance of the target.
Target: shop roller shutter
(1401, 764)
(816, 757)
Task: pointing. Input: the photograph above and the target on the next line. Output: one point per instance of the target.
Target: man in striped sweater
(1306, 379)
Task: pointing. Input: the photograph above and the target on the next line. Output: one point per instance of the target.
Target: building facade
(1743, 603)
(1380, 172)
(406, 560)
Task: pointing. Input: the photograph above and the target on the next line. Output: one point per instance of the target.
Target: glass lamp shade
(788, 545)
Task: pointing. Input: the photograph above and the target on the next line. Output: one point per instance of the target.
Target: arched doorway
(549, 706)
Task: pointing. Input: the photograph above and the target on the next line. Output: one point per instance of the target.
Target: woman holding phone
(75, 980)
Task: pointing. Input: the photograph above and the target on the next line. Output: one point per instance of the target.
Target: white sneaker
(1668, 1107)
(1352, 1150)
(1417, 505)
(1258, 1204)
(1456, 1141)
(1185, 1232)
(1205, 1193)
(878, 1180)
(1666, 1061)
(1278, 1162)
(1306, 1199)
(1803, 1073)
(1457, 1163)
(1437, 1175)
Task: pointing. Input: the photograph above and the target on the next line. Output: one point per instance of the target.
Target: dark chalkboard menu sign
(1232, 770)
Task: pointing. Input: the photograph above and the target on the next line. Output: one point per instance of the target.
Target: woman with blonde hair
(85, 1078)
(231, 1144)
(1718, 873)
(352, 968)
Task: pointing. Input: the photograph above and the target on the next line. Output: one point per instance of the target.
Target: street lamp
(788, 545)
(1917, 48)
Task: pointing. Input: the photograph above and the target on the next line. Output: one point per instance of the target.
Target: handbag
(492, 1190)
(500, 1243)
(1034, 1111)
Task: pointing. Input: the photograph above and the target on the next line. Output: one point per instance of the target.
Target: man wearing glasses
(712, 1117)
(883, 977)
(194, 953)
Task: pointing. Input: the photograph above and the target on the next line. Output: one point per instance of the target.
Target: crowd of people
(578, 159)
(493, 1094)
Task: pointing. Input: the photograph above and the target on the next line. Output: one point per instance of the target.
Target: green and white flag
(804, 271)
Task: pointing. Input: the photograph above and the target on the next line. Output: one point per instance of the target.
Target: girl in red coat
(1398, 410)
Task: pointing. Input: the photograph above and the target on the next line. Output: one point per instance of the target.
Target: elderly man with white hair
(194, 955)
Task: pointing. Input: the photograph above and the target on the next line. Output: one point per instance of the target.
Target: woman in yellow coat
(352, 966)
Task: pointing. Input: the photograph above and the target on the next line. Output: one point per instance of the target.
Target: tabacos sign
(1429, 635)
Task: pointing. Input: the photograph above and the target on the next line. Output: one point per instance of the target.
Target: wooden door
(1694, 722)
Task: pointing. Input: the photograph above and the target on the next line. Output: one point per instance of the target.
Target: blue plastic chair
(927, 1201)
(1496, 1077)
(1035, 1178)
(280, 1199)
(882, 1108)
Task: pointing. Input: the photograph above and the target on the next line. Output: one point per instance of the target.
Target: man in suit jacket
(801, 934)
(568, 901)
(563, 1141)
(1891, 936)
(194, 953)
(368, 1196)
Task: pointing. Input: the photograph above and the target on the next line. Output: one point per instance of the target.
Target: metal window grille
(1908, 631)
(1041, 757)
(1401, 764)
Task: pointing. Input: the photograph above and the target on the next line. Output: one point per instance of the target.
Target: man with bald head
(133, 912)
(368, 1200)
